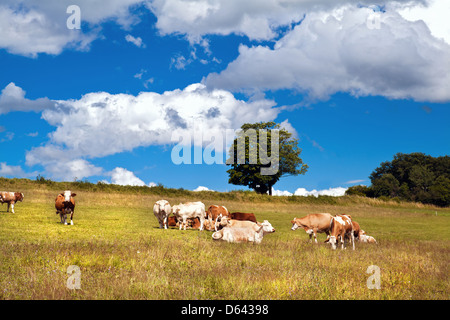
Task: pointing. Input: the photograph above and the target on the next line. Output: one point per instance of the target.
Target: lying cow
(10, 198)
(313, 224)
(366, 238)
(162, 210)
(243, 231)
(65, 204)
(189, 210)
(216, 213)
(341, 227)
(243, 216)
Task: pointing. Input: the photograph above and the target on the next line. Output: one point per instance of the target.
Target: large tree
(261, 154)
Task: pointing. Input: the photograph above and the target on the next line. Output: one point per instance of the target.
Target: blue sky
(355, 84)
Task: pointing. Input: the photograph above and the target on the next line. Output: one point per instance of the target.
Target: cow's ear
(62, 194)
(73, 194)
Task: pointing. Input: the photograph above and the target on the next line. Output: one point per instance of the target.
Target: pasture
(122, 254)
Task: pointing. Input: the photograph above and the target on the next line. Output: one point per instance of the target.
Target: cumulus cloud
(14, 171)
(123, 177)
(341, 51)
(334, 192)
(136, 41)
(32, 27)
(202, 188)
(256, 19)
(12, 98)
(123, 122)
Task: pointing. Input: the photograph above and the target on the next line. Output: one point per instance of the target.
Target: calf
(10, 198)
(313, 224)
(367, 239)
(243, 216)
(162, 210)
(65, 204)
(341, 226)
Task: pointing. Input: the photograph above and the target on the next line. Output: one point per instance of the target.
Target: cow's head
(267, 227)
(332, 241)
(19, 196)
(294, 225)
(67, 194)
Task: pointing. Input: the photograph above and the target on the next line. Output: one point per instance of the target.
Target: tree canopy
(261, 154)
(413, 177)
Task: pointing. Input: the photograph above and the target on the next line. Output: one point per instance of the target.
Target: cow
(189, 210)
(65, 204)
(243, 216)
(216, 213)
(10, 198)
(162, 210)
(172, 221)
(356, 230)
(366, 238)
(341, 226)
(243, 231)
(313, 224)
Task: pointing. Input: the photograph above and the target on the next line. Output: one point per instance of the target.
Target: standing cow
(65, 204)
(216, 213)
(162, 210)
(313, 224)
(341, 227)
(183, 211)
(10, 198)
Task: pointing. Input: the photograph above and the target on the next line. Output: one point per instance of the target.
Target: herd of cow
(231, 227)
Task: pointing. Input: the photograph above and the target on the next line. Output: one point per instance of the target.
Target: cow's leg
(71, 219)
(12, 206)
(315, 235)
(7, 209)
(353, 240)
(165, 222)
(202, 221)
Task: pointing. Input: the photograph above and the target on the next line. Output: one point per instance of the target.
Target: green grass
(123, 254)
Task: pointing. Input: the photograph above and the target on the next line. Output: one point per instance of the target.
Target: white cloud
(136, 41)
(257, 19)
(434, 14)
(124, 122)
(32, 27)
(281, 193)
(12, 98)
(123, 177)
(339, 51)
(334, 192)
(201, 188)
(14, 171)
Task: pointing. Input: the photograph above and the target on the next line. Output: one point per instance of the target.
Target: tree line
(412, 177)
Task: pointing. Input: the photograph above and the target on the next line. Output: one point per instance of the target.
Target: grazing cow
(243, 231)
(341, 226)
(162, 210)
(243, 216)
(65, 204)
(216, 213)
(313, 224)
(189, 210)
(10, 198)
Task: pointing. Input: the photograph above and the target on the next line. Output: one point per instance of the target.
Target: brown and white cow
(162, 210)
(243, 216)
(189, 210)
(216, 213)
(243, 231)
(65, 204)
(313, 224)
(10, 198)
(356, 230)
(341, 227)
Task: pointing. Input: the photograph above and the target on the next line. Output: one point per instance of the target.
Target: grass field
(122, 254)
